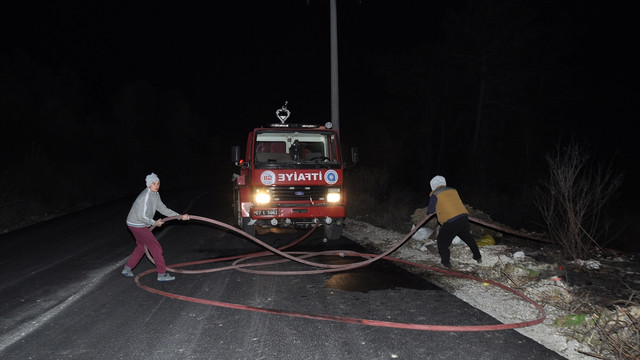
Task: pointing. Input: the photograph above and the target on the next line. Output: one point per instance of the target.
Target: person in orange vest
(453, 218)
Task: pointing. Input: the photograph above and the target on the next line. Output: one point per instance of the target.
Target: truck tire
(249, 229)
(237, 216)
(333, 231)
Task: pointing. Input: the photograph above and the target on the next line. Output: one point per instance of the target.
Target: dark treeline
(486, 91)
(477, 91)
(60, 155)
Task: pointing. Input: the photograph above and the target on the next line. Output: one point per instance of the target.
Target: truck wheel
(249, 229)
(333, 231)
(237, 214)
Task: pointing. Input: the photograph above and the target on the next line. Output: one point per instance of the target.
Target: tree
(572, 198)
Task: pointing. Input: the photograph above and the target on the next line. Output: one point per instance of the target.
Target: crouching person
(453, 218)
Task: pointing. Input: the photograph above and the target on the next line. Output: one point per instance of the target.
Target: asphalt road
(62, 297)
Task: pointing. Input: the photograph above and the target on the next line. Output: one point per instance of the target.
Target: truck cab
(291, 176)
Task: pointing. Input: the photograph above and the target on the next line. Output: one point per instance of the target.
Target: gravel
(536, 280)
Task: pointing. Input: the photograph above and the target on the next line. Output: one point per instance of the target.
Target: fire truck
(291, 176)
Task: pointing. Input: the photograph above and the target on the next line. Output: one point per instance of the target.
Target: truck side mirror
(235, 154)
(354, 155)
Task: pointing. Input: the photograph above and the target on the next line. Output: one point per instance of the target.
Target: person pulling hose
(140, 219)
(453, 217)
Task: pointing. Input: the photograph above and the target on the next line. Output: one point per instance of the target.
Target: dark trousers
(448, 231)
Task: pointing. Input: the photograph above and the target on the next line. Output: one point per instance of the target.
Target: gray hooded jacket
(145, 207)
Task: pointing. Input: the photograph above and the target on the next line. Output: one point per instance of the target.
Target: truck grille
(298, 193)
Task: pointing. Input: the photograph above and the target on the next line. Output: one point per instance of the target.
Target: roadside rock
(539, 281)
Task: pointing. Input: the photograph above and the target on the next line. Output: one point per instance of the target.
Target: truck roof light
(283, 113)
(304, 126)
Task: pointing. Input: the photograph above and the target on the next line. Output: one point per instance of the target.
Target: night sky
(91, 82)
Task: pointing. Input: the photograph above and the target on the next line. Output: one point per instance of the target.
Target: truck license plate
(265, 212)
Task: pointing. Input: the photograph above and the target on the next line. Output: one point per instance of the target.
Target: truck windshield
(303, 149)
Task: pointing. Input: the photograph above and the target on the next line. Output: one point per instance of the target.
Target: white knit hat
(437, 181)
(151, 178)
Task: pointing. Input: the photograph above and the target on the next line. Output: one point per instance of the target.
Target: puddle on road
(381, 275)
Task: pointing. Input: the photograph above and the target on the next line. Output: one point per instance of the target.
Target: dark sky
(249, 52)
(223, 52)
(238, 61)
(255, 46)
(236, 53)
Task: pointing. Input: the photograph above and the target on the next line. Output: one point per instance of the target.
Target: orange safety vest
(449, 205)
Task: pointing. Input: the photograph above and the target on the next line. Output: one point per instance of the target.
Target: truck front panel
(291, 175)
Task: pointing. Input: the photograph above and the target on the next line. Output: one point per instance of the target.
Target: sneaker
(126, 272)
(165, 277)
(479, 261)
(447, 265)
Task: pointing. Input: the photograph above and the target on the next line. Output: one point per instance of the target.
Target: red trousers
(144, 237)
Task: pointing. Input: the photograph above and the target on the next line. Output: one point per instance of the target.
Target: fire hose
(239, 263)
(507, 231)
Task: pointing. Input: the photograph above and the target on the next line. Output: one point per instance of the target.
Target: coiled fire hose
(239, 264)
(300, 259)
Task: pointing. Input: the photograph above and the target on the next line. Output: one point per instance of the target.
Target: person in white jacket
(139, 221)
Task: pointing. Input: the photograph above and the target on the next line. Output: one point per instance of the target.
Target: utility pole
(335, 99)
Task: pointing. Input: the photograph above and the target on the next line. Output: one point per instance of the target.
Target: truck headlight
(333, 196)
(262, 197)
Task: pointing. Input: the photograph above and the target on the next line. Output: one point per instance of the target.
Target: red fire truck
(291, 176)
